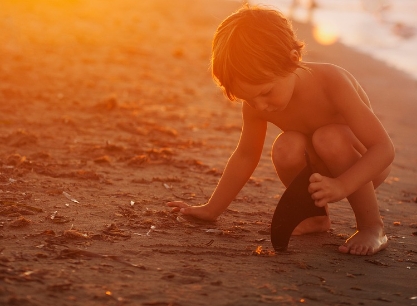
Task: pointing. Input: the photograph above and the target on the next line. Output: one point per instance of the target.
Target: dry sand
(108, 111)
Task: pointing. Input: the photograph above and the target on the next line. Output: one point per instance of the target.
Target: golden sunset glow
(58, 22)
(325, 34)
(127, 176)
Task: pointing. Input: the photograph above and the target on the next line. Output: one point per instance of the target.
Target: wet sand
(108, 111)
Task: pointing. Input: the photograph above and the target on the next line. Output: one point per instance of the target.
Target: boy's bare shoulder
(329, 71)
(335, 81)
(333, 75)
(339, 85)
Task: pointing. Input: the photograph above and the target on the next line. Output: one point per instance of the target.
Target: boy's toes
(360, 250)
(371, 251)
(356, 246)
(343, 249)
(356, 250)
(353, 249)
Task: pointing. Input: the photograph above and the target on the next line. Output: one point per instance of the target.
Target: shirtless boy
(320, 108)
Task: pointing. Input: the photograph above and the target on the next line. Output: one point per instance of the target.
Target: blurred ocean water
(384, 29)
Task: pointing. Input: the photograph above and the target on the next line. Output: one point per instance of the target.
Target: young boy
(319, 107)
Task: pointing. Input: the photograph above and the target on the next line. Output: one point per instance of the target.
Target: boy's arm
(238, 170)
(353, 104)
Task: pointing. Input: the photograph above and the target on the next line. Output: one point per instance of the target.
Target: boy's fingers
(314, 188)
(319, 203)
(320, 198)
(315, 177)
(317, 196)
(177, 204)
(180, 206)
(184, 211)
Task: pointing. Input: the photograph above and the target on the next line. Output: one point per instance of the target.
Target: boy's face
(272, 96)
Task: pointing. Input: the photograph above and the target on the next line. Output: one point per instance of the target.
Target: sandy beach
(108, 111)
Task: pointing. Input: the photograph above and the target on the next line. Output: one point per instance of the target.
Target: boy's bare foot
(313, 225)
(366, 241)
(199, 212)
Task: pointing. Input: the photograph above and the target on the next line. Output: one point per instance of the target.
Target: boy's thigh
(336, 137)
(343, 132)
(290, 149)
(382, 177)
(290, 144)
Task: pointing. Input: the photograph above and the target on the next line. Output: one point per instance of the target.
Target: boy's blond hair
(253, 45)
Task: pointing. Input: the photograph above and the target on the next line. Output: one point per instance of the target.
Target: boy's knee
(332, 141)
(288, 150)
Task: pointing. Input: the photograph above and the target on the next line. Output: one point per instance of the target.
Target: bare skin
(325, 111)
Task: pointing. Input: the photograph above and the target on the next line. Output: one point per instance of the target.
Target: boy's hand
(325, 190)
(200, 212)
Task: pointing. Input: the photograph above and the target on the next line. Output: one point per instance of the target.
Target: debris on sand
(69, 197)
(20, 222)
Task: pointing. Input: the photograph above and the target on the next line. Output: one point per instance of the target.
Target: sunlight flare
(325, 34)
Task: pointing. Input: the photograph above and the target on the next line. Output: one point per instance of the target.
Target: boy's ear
(294, 55)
